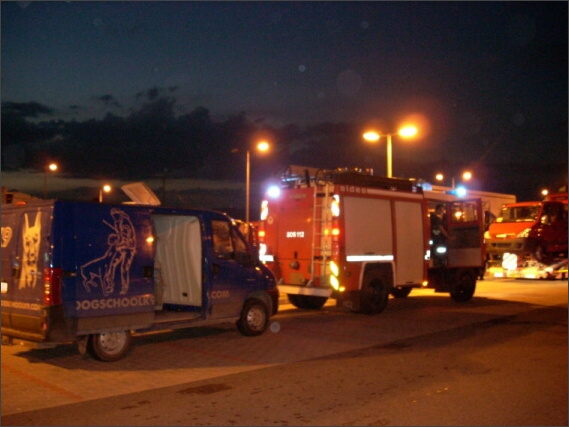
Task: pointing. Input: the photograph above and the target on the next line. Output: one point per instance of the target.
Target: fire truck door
(466, 227)
(409, 253)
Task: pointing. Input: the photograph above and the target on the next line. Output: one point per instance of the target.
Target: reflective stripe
(359, 258)
(266, 258)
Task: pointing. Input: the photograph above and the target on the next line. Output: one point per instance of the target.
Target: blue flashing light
(460, 191)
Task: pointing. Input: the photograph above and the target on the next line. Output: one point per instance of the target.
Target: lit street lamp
(405, 132)
(262, 146)
(105, 188)
(52, 167)
(466, 176)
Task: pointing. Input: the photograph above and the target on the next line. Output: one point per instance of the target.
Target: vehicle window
(222, 242)
(553, 214)
(464, 212)
(519, 214)
(239, 244)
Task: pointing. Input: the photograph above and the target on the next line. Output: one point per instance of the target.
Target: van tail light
(52, 286)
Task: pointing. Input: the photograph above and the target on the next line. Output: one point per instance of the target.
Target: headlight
(334, 282)
(334, 268)
(264, 210)
(524, 233)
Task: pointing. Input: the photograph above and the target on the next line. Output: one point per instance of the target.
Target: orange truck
(360, 238)
(529, 239)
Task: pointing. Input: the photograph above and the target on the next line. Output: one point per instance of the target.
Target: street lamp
(105, 188)
(262, 146)
(404, 132)
(52, 167)
(466, 176)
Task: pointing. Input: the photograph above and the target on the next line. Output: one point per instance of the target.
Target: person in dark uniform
(439, 235)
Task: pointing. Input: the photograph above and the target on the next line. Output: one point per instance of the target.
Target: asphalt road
(498, 360)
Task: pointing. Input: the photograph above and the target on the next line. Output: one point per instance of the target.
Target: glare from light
(334, 282)
(264, 209)
(371, 136)
(408, 131)
(335, 207)
(274, 191)
(263, 146)
(334, 268)
(461, 191)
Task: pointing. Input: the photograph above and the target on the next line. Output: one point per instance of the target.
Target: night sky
(188, 82)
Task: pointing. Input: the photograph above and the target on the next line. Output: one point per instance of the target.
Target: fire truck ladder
(321, 233)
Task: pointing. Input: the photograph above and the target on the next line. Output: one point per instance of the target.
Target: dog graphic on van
(114, 266)
(31, 238)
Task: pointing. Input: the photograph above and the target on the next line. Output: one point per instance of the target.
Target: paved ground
(35, 379)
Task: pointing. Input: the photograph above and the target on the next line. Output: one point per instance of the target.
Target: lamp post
(52, 167)
(405, 132)
(105, 188)
(466, 176)
(261, 146)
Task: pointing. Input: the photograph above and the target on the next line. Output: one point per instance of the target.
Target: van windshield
(519, 214)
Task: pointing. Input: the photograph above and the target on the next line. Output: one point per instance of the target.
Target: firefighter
(439, 235)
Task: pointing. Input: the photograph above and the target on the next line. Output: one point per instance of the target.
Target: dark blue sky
(488, 78)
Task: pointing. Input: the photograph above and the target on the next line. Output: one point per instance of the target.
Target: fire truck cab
(360, 238)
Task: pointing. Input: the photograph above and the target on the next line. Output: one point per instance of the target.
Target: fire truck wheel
(307, 302)
(401, 292)
(464, 288)
(254, 318)
(109, 346)
(375, 292)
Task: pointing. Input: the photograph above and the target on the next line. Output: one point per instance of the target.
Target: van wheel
(254, 318)
(307, 302)
(464, 288)
(109, 346)
(375, 293)
(401, 292)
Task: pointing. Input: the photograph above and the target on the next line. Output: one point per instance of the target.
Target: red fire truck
(359, 238)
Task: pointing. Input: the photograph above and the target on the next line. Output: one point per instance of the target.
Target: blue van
(93, 273)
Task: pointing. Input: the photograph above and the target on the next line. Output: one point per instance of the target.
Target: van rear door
(25, 253)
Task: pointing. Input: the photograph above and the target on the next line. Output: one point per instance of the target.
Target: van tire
(374, 293)
(307, 302)
(254, 318)
(109, 346)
